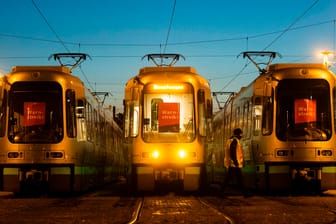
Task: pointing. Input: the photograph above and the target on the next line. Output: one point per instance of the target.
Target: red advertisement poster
(34, 113)
(169, 117)
(305, 111)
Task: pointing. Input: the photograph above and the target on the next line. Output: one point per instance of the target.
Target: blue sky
(210, 34)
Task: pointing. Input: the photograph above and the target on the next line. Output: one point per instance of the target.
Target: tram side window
(131, 119)
(89, 122)
(246, 120)
(237, 120)
(240, 117)
(227, 123)
(81, 125)
(102, 130)
(334, 99)
(267, 116)
(257, 109)
(201, 112)
(96, 127)
(126, 119)
(3, 107)
(209, 121)
(71, 113)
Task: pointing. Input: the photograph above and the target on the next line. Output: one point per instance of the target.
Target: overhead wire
(171, 43)
(169, 28)
(139, 56)
(57, 36)
(292, 24)
(50, 27)
(273, 41)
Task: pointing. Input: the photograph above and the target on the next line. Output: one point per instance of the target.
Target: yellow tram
(56, 135)
(288, 119)
(167, 110)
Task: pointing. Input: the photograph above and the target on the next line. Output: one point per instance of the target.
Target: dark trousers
(234, 173)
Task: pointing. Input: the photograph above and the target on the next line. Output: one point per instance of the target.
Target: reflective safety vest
(235, 159)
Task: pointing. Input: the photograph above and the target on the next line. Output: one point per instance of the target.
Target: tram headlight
(151, 155)
(155, 154)
(182, 154)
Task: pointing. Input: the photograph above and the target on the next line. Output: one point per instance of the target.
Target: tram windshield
(35, 113)
(168, 113)
(303, 110)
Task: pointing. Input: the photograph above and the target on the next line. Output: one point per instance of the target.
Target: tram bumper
(189, 177)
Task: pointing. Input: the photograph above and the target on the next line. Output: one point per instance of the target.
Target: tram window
(201, 112)
(334, 106)
(246, 120)
(126, 119)
(239, 118)
(80, 109)
(95, 128)
(267, 115)
(257, 111)
(209, 109)
(135, 120)
(131, 119)
(35, 112)
(81, 125)
(3, 108)
(70, 113)
(168, 116)
(89, 122)
(303, 110)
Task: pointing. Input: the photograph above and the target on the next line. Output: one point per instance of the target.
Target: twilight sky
(210, 34)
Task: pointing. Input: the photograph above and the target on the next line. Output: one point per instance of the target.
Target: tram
(167, 110)
(287, 115)
(56, 135)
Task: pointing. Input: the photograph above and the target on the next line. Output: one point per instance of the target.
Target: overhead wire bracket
(105, 94)
(251, 55)
(77, 59)
(158, 59)
(227, 96)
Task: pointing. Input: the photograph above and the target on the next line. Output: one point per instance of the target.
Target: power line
(50, 27)
(58, 37)
(139, 56)
(273, 41)
(170, 25)
(171, 43)
(292, 24)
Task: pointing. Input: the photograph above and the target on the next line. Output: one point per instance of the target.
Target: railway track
(176, 209)
(108, 206)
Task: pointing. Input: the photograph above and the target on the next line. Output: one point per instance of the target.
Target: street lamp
(325, 55)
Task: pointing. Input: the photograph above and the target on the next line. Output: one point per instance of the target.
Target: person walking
(233, 161)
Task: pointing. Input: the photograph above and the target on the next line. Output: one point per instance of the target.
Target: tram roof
(41, 68)
(275, 67)
(186, 69)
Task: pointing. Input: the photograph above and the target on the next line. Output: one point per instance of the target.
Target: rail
(228, 219)
(136, 213)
